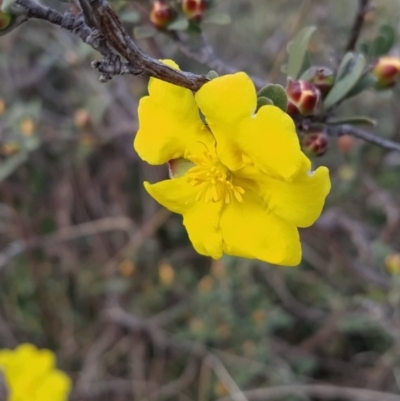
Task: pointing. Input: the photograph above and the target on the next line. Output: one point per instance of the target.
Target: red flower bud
(161, 14)
(194, 9)
(303, 98)
(386, 70)
(314, 144)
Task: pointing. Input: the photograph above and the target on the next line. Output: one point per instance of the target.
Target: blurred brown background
(92, 268)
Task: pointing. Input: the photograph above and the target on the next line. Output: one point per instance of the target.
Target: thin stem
(363, 7)
(364, 135)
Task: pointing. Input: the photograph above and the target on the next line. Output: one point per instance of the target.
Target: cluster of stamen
(214, 179)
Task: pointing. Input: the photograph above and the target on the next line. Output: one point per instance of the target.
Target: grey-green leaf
(181, 24)
(212, 75)
(277, 94)
(343, 86)
(297, 50)
(355, 120)
(390, 34)
(345, 65)
(264, 101)
(367, 81)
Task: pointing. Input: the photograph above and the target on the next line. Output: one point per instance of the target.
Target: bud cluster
(162, 12)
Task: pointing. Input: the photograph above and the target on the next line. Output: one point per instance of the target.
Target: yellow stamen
(215, 180)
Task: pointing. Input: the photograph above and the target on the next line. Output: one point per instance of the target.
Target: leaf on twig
(355, 120)
(277, 94)
(344, 85)
(297, 50)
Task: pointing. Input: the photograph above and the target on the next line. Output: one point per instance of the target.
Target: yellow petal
(250, 231)
(55, 386)
(225, 102)
(169, 124)
(299, 201)
(200, 218)
(175, 194)
(202, 225)
(268, 139)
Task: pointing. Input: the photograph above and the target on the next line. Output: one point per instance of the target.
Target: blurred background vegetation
(92, 268)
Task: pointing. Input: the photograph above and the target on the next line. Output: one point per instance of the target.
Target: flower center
(214, 180)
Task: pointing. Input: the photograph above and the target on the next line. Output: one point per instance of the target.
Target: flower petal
(250, 231)
(175, 194)
(200, 219)
(268, 139)
(299, 201)
(225, 102)
(202, 224)
(169, 123)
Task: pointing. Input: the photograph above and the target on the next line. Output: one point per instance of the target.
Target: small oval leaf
(343, 86)
(277, 94)
(181, 24)
(355, 120)
(297, 50)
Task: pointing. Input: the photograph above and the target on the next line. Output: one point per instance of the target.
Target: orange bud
(194, 9)
(386, 70)
(346, 143)
(5, 20)
(315, 144)
(392, 263)
(303, 98)
(161, 14)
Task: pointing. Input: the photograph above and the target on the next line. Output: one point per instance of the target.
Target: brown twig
(326, 392)
(363, 8)
(346, 129)
(66, 234)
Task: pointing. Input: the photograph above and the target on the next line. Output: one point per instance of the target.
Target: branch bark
(327, 392)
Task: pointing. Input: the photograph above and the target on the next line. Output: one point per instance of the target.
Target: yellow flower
(30, 375)
(243, 185)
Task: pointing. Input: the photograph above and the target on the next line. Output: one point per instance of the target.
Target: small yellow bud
(206, 284)
(82, 118)
(27, 127)
(392, 263)
(9, 148)
(166, 274)
(127, 268)
(2, 106)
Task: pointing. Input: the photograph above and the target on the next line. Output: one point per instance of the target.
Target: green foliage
(381, 44)
(276, 93)
(351, 72)
(354, 120)
(297, 49)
